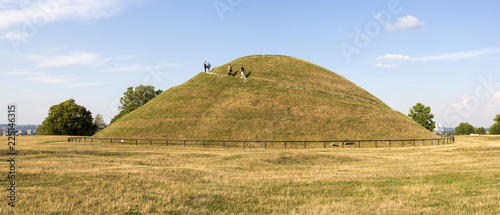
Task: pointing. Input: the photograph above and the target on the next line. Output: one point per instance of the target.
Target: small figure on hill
(208, 67)
(205, 67)
(242, 69)
(229, 70)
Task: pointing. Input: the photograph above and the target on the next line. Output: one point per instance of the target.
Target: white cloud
(14, 36)
(20, 72)
(391, 57)
(386, 65)
(37, 12)
(446, 56)
(496, 97)
(408, 22)
(75, 58)
(46, 79)
(460, 55)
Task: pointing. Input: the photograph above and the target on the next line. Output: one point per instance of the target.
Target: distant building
(439, 128)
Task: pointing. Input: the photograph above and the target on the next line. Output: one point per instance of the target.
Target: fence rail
(275, 144)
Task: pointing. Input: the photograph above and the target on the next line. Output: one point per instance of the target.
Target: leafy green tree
(133, 98)
(423, 116)
(464, 128)
(99, 123)
(479, 130)
(67, 118)
(495, 128)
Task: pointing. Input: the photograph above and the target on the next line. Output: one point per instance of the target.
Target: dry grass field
(57, 177)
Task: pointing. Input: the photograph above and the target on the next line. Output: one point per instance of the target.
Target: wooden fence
(275, 144)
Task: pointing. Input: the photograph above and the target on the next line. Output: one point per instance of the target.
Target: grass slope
(57, 177)
(284, 98)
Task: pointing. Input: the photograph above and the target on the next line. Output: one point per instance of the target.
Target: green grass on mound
(284, 98)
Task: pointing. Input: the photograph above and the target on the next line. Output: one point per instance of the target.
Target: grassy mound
(284, 98)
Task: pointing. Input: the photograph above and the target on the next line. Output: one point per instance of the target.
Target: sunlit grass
(57, 177)
(284, 98)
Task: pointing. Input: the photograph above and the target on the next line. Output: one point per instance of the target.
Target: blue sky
(445, 54)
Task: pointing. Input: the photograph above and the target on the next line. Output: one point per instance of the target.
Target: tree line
(69, 118)
(423, 116)
(464, 128)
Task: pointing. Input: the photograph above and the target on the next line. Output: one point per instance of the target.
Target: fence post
(304, 145)
(244, 144)
(414, 143)
(111, 140)
(285, 144)
(403, 143)
(203, 143)
(184, 143)
(390, 143)
(265, 145)
(375, 144)
(150, 142)
(166, 142)
(342, 144)
(359, 143)
(324, 144)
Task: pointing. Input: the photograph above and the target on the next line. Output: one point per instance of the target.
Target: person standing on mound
(205, 67)
(208, 67)
(229, 70)
(242, 69)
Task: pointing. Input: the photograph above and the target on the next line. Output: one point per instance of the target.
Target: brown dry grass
(57, 177)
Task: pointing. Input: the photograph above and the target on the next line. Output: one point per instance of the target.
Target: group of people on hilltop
(206, 68)
(230, 71)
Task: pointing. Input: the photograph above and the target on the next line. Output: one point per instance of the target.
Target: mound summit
(284, 98)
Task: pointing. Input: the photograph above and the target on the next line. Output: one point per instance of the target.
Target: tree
(464, 128)
(479, 130)
(495, 128)
(67, 118)
(134, 98)
(423, 116)
(99, 123)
